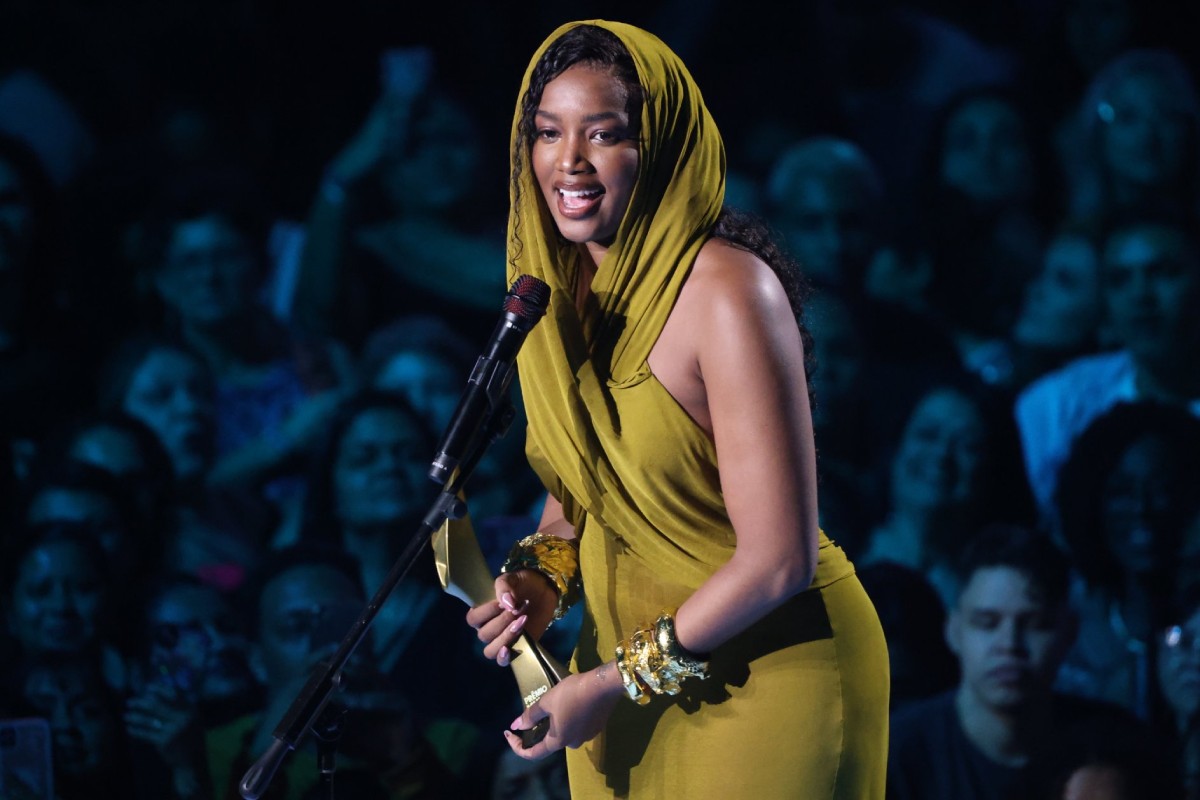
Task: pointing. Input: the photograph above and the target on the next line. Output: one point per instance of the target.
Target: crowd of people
(222, 379)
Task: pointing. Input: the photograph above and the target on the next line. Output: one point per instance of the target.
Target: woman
(951, 471)
(215, 531)
(666, 396)
(1124, 501)
(1133, 141)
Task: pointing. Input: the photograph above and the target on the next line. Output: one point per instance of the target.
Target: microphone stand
(306, 709)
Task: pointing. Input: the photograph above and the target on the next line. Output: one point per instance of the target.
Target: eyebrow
(597, 117)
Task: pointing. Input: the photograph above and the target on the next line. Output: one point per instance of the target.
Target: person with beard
(1003, 729)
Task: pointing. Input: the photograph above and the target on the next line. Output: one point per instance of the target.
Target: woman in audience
(58, 595)
(954, 466)
(1135, 137)
(216, 531)
(1124, 498)
(368, 493)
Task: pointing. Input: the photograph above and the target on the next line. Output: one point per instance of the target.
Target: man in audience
(1002, 732)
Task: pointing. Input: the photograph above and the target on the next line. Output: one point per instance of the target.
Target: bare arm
(744, 381)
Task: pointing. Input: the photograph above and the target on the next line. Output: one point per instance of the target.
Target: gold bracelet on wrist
(629, 679)
(653, 661)
(554, 557)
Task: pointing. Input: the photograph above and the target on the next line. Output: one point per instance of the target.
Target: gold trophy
(465, 574)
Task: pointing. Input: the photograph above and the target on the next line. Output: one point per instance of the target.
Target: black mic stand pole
(306, 709)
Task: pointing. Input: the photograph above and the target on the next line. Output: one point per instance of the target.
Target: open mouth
(576, 203)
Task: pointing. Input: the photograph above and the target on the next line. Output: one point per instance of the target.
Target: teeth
(578, 198)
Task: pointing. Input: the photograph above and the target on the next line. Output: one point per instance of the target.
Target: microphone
(524, 305)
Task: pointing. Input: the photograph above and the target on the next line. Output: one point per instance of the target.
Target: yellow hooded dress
(796, 706)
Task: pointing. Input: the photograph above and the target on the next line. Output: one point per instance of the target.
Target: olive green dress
(796, 705)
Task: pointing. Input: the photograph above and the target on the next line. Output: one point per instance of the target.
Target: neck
(1003, 735)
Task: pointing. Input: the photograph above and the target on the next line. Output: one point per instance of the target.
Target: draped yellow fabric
(796, 705)
(568, 365)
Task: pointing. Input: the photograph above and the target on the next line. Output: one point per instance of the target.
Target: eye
(984, 620)
(610, 136)
(546, 134)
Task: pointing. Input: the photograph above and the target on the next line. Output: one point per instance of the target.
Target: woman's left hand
(578, 708)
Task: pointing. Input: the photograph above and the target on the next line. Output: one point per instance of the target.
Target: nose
(60, 598)
(571, 156)
(1012, 636)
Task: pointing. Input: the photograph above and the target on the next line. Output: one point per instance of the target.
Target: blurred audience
(984, 206)
(58, 596)
(1150, 281)
(826, 200)
(275, 387)
(395, 226)
(302, 603)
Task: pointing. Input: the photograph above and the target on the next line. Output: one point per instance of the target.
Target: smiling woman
(585, 155)
(667, 397)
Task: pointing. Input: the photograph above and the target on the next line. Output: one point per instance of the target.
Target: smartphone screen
(25, 766)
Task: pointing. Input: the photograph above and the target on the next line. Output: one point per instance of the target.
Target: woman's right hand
(525, 603)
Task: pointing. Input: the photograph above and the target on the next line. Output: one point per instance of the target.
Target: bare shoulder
(729, 280)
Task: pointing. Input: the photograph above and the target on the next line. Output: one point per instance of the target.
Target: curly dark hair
(1095, 454)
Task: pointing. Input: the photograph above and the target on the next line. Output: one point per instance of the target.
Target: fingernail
(508, 735)
(514, 724)
(518, 623)
(502, 657)
(509, 602)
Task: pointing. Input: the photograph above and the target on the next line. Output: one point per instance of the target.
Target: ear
(953, 632)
